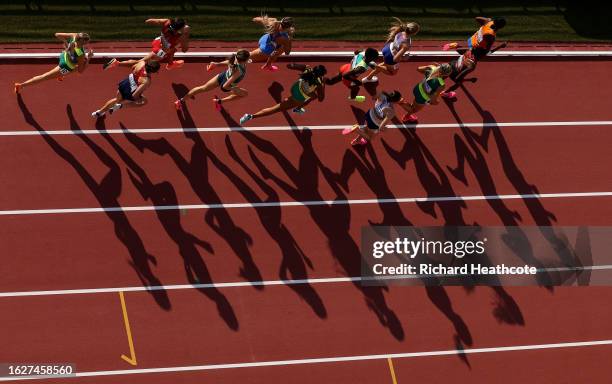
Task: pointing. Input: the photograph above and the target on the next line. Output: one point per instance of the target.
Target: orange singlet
(478, 41)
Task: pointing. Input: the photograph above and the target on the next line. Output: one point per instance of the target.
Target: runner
(309, 85)
(174, 33)
(398, 43)
(130, 90)
(376, 119)
(349, 72)
(227, 81)
(74, 57)
(427, 90)
(275, 42)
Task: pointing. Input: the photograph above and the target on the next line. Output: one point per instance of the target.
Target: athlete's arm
(228, 83)
(65, 35)
(156, 21)
(141, 88)
(502, 45)
(482, 20)
(185, 38)
(400, 53)
(320, 92)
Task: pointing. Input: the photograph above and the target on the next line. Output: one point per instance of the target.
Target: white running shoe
(299, 110)
(245, 118)
(97, 114)
(374, 79)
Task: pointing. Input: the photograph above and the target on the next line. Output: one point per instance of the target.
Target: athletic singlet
(359, 61)
(236, 67)
(134, 77)
(382, 108)
(400, 39)
(168, 40)
(71, 56)
(477, 40)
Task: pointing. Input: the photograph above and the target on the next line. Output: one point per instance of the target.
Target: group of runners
(311, 82)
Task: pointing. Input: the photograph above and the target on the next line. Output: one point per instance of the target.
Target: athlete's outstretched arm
(482, 20)
(156, 21)
(65, 35)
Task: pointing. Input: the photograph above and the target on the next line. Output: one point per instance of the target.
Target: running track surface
(321, 318)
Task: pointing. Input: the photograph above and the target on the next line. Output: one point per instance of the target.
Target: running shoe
(299, 110)
(97, 114)
(112, 63)
(18, 88)
(359, 99)
(359, 141)
(217, 103)
(448, 95)
(448, 46)
(245, 118)
(374, 79)
(270, 68)
(210, 67)
(175, 64)
(178, 104)
(115, 107)
(352, 129)
(410, 118)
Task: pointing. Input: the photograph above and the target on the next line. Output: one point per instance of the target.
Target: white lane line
(298, 203)
(238, 284)
(338, 359)
(317, 54)
(282, 128)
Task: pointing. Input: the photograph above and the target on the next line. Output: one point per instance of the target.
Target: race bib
(161, 54)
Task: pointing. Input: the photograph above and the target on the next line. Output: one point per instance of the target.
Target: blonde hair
(273, 25)
(411, 28)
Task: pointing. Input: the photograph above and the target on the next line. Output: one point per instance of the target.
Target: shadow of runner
(107, 193)
(162, 194)
(196, 172)
(294, 262)
(332, 219)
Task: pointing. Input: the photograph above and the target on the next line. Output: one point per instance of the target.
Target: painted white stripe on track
(299, 203)
(281, 128)
(337, 359)
(266, 283)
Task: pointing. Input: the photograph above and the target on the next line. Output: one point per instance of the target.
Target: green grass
(36, 21)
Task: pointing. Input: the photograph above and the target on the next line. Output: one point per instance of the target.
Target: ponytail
(398, 26)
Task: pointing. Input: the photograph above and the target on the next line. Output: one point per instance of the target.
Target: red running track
(276, 323)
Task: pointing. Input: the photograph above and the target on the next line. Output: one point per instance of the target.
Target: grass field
(333, 20)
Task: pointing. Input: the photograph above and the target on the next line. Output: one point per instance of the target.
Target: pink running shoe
(449, 95)
(359, 141)
(179, 105)
(410, 118)
(448, 46)
(352, 129)
(217, 103)
(270, 68)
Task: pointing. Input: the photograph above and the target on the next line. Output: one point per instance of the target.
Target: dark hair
(498, 23)
(393, 97)
(152, 66)
(371, 54)
(176, 25)
(287, 22)
(313, 75)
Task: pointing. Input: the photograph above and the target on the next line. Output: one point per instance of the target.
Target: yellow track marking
(132, 359)
(392, 370)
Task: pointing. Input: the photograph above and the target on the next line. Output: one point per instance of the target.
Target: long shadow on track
(196, 171)
(162, 194)
(107, 193)
(332, 219)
